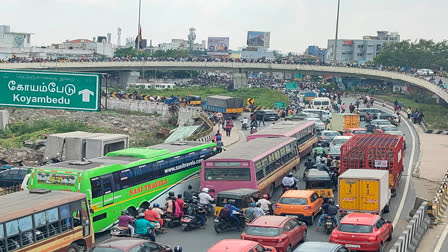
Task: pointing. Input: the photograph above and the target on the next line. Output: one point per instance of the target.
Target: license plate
(352, 246)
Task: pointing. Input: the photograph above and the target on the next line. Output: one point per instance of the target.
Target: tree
(418, 54)
(174, 53)
(130, 52)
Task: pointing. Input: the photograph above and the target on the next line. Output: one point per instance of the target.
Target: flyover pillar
(124, 79)
(239, 80)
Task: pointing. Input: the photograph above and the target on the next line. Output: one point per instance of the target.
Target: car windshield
(350, 228)
(339, 141)
(293, 201)
(381, 122)
(102, 249)
(360, 132)
(263, 231)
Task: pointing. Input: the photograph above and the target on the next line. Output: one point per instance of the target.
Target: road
(201, 239)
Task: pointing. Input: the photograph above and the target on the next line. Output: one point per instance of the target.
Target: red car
(363, 232)
(281, 232)
(354, 131)
(236, 245)
(123, 244)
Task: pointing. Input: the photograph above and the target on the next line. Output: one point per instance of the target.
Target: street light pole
(336, 37)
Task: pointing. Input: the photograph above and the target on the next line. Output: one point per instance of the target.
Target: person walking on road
(229, 126)
(409, 112)
(357, 103)
(261, 120)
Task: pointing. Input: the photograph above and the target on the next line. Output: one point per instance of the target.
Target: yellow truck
(343, 122)
(364, 190)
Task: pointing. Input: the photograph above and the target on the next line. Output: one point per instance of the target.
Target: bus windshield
(227, 174)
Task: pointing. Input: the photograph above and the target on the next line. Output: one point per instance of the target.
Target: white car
(424, 72)
(324, 115)
(319, 124)
(339, 140)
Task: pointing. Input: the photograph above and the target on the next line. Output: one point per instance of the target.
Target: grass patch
(263, 96)
(17, 133)
(436, 115)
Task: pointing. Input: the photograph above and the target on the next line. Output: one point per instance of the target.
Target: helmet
(231, 201)
(331, 201)
(265, 196)
(258, 204)
(140, 215)
(205, 189)
(309, 159)
(156, 205)
(178, 249)
(322, 161)
(171, 194)
(252, 204)
(290, 174)
(124, 211)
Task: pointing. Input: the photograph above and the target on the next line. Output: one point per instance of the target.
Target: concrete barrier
(410, 238)
(137, 106)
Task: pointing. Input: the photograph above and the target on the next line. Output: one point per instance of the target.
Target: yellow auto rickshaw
(321, 183)
(243, 197)
(194, 100)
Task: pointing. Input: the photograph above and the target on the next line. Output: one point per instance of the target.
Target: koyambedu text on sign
(50, 90)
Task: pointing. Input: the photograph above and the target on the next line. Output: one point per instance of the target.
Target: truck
(229, 106)
(365, 191)
(343, 122)
(378, 152)
(309, 96)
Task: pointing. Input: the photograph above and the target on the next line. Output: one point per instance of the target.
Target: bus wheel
(132, 211)
(144, 205)
(73, 248)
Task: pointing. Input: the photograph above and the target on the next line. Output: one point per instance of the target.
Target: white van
(24, 186)
(321, 103)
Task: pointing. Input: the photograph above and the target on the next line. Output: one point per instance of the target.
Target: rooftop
(360, 219)
(269, 221)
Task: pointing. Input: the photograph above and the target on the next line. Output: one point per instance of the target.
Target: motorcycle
(190, 222)
(244, 126)
(329, 224)
(118, 231)
(172, 221)
(223, 225)
(147, 237)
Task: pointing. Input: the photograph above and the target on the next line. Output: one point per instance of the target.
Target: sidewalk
(235, 136)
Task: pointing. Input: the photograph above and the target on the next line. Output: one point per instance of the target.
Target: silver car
(319, 124)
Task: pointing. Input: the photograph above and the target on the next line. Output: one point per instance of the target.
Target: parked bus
(259, 164)
(127, 179)
(303, 131)
(45, 220)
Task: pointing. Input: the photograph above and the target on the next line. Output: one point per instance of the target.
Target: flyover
(237, 68)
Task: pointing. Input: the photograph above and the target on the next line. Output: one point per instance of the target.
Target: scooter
(244, 126)
(329, 224)
(172, 221)
(190, 222)
(223, 225)
(118, 231)
(147, 237)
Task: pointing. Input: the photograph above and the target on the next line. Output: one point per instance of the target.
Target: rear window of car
(294, 201)
(101, 249)
(332, 134)
(360, 132)
(339, 141)
(263, 231)
(349, 228)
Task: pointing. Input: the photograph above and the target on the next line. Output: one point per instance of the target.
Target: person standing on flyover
(343, 107)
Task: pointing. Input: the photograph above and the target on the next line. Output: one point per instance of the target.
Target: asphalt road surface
(202, 239)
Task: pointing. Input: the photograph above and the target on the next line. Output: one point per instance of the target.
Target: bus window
(107, 184)
(12, 233)
(96, 187)
(65, 218)
(53, 221)
(85, 218)
(227, 174)
(126, 178)
(40, 223)
(2, 238)
(26, 226)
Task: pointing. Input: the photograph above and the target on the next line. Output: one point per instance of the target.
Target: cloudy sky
(294, 24)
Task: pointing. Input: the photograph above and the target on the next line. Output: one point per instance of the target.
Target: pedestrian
(343, 107)
(219, 145)
(351, 107)
(416, 114)
(357, 103)
(253, 119)
(409, 112)
(188, 194)
(217, 137)
(261, 120)
(283, 114)
(229, 127)
(420, 117)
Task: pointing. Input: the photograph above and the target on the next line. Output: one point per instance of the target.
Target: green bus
(127, 179)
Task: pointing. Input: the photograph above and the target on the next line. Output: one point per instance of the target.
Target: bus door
(107, 185)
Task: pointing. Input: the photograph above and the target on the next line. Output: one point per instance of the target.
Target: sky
(294, 24)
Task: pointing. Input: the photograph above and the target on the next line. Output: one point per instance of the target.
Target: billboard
(258, 39)
(218, 45)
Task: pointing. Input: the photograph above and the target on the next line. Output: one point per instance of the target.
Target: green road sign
(298, 76)
(50, 90)
(280, 105)
(291, 85)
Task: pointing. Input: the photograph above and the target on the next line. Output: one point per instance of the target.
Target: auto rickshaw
(321, 183)
(243, 197)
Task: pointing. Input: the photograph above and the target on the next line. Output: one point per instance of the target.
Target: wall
(137, 106)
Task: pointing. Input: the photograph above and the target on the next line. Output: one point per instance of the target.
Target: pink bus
(259, 164)
(303, 131)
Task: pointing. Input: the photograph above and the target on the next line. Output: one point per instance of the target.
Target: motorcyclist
(153, 216)
(266, 205)
(289, 181)
(249, 213)
(125, 221)
(231, 205)
(322, 166)
(142, 225)
(328, 209)
(156, 208)
(319, 150)
(205, 199)
(309, 164)
(258, 211)
(245, 123)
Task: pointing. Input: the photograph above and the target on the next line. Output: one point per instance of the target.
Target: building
(182, 44)
(320, 53)
(360, 50)
(13, 43)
